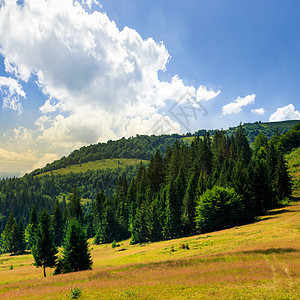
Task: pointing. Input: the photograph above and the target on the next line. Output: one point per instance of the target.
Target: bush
(219, 208)
(75, 293)
(114, 244)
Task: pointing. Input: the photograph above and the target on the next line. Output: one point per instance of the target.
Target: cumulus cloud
(285, 113)
(237, 104)
(258, 111)
(46, 158)
(101, 82)
(22, 133)
(12, 93)
(203, 94)
(6, 156)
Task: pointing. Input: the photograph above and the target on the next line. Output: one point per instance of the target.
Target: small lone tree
(76, 254)
(44, 250)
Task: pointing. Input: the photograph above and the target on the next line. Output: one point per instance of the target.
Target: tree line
(44, 234)
(213, 183)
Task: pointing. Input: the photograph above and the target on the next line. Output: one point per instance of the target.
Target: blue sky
(81, 72)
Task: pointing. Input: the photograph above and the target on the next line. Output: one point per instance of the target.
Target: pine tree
(188, 207)
(9, 234)
(155, 171)
(76, 253)
(58, 224)
(174, 197)
(20, 238)
(44, 250)
(31, 228)
(282, 179)
(74, 206)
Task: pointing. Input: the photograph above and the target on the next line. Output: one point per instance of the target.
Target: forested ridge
(143, 146)
(212, 183)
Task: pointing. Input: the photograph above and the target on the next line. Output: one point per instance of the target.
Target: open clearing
(256, 261)
(110, 163)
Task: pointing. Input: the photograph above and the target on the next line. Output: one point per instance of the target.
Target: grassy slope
(96, 165)
(236, 263)
(294, 169)
(290, 123)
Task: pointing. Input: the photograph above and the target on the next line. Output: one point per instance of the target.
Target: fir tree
(9, 235)
(282, 179)
(74, 206)
(76, 253)
(58, 224)
(20, 238)
(44, 250)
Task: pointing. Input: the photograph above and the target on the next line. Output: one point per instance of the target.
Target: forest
(215, 182)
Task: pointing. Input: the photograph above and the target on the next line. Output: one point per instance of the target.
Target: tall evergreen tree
(76, 253)
(9, 234)
(282, 179)
(74, 207)
(188, 206)
(20, 238)
(58, 224)
(44, 250)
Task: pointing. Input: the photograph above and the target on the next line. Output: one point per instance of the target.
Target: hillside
(256, 261)
(293, 160)
(143, 147)
(269, 129)
(102, 164)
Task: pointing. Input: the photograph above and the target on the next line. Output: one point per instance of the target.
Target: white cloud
(285, 113)
(101, 82)
(203, 94)
(12, 93)
(237, 104)
(6, 156)
(258, 111)
(49, 107)
(22, 133)
(46, 158)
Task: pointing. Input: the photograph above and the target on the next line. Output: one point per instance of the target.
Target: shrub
(114, 244)
(75, 293)
(219, 208)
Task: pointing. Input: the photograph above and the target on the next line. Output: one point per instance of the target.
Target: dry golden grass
(255, 261)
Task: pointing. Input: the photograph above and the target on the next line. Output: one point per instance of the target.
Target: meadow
(256, 261)
(102, 164)
(293, 159)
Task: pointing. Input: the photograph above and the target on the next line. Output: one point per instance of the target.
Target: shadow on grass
(278, 212)
(271, 251)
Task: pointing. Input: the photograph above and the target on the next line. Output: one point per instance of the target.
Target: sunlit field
(293, 159)
(257, 261)
(102, 164)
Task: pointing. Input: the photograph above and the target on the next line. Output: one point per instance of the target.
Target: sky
(74, 73)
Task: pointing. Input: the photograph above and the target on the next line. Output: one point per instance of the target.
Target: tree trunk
(44, 271)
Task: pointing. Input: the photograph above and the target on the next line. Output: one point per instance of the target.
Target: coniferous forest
(215, 182)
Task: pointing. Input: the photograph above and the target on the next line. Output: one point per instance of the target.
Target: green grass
(188, 139)
(102, 164)
(293, 159)
(291, 123)
(256, 261)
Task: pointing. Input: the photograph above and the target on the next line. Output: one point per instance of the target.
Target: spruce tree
(44, 250)
(188, 206)
(74, 209)
(282, 179)
(76, 253)
(31, 228)
(20, 238)
(9, 234)
(58, 224)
